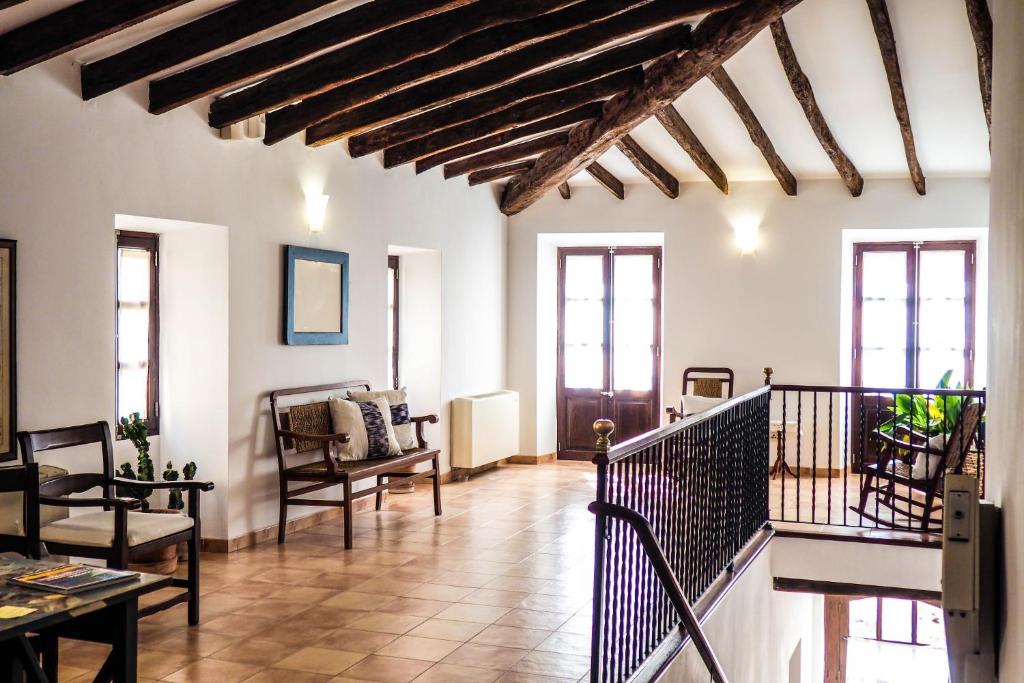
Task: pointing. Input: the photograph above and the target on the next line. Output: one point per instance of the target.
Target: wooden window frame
(913, 351)
(396, 298)
(149, 242)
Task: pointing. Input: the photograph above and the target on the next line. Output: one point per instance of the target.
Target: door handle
(608, 394)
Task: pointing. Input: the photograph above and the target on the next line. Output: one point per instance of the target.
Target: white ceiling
(837, 49)
(836, 46)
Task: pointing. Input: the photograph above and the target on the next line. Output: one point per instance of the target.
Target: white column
(1005, 476)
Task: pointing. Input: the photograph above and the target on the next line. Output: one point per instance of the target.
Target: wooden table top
(54, 608)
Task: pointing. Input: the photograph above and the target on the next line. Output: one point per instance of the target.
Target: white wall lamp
(316, 212)
(748, 238)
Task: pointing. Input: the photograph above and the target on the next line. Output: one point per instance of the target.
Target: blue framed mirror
(316, 296)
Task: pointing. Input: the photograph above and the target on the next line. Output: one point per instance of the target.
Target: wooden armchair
(883, 477)
(22, 537)
(117, 534)
(307, 429)
(703, 382)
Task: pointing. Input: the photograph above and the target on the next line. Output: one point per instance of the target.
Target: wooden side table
(776, 429)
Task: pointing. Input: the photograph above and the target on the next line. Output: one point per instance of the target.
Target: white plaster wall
(67, 167)
(869, 564)
(1005, 479)
(779, 307)
(755, 632)
(194, 364)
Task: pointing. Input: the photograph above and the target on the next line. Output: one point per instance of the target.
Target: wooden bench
(306, 428)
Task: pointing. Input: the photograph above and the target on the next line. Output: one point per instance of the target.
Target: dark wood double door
(609, 344)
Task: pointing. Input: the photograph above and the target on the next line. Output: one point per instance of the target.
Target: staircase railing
(674, 507)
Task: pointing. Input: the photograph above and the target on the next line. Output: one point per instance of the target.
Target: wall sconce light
(316, 212)
(747, 235)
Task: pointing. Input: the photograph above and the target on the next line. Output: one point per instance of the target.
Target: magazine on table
(72, 578)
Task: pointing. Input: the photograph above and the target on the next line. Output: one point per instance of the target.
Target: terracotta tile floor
(497, 589)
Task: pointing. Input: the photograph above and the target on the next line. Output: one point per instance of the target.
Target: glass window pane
(634, 322)
(884, 324)
(583, 333)
(133, 275)
(930, 628)
(933, 364)
(897, 620)
(864, 618)
(133, 319)
(883, 368)
(132, 392)
(885, 274)
(942, 316)
(391, 325)
(941, 274)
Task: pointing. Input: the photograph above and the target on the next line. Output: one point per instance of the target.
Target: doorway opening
(609, 344)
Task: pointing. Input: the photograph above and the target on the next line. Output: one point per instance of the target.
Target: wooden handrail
(656, 556)
(639, 443)
(823, 389)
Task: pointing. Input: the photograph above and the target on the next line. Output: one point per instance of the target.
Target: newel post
(768, 372)
(603, 429)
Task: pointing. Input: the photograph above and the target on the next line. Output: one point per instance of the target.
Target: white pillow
(396, 398)
(698, 404)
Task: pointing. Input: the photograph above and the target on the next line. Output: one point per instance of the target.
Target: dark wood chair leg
(348, 514)
(437, 486)
(193, 581)
(282, 517)
(380, 494)
(46, 645)
(865, 491)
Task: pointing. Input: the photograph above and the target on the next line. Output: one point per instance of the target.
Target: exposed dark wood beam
(72, 27)
(454, 39)
(605, 178)
(649, 166)
(551, 123)
(504, 155)
(565, 190)
(717, 38)
(757, 133)
(787, 585)
(517, 115)
(501, 70)
(981, 28)
(251, 63)
(805, 96)
(890, 59)
(210, 32)
(682, 133)
(488, 174)
(551, 80)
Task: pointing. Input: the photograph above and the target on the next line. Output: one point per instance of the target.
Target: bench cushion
(97, 528)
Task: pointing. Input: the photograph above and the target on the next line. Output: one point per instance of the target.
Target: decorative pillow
(368, 424)
(698, 404)
(396, 398)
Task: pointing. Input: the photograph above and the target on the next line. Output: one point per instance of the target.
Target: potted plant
(927, 415)
(165, 560)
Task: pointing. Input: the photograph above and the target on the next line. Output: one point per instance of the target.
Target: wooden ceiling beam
(606, 180)
(72, 27)
(805, 96)
(532, 109)
(681, 132)
(454, 39)
(890, 59)
(649, 166)
(498, 172)
(717, 38)
(210, 32)
(551, 80)
(552, 123)
(503, 155)
(981, 28)
(251, 63)
(757, 133)
(439, 91)
(565, 190)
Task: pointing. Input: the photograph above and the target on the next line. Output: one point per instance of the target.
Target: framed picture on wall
(8, 374)
(315, 296)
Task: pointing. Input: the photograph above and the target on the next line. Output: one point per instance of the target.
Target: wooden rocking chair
(890, 471)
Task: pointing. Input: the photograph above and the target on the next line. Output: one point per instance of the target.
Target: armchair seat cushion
(12, 521)
(97, 528)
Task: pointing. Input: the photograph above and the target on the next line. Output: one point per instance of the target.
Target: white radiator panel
(485, 428)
